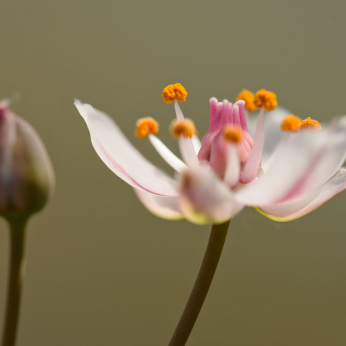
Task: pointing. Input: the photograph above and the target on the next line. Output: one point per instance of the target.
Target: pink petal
(214, 128)
(165, 207)
(287, 211)
(233, 167)
(243, 122)
(253, 163)
(120, 155)
(204, 198)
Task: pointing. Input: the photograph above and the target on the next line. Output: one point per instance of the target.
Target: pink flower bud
(26, 173)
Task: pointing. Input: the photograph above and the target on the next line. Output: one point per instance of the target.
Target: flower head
(280, 165)
(26, 173)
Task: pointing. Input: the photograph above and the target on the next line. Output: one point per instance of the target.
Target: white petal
(166, 154)
(233, 167)
(252, 165)
(178, 112)
(306, 161)
(204, 198)
(287, 211)
(272, 130)
(196, 142)
(187, 150)
(165, 207)
(120, 155)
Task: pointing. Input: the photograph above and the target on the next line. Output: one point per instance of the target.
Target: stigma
(265, 99)
(184, 128)
(174, 92)
(291, 123)
(309, 124)
(249, 98)
(145, 126)
(232, 133)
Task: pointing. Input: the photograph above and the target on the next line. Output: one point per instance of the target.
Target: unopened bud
(26, 173)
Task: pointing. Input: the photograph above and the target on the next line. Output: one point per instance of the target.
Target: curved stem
(200, 289)
(16, 272)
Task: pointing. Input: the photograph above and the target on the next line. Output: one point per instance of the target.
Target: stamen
(145, 126)
(291, 123)
(232, 133)
(248, 97)
(174, 92)
(265, 99)
(309, 124)
(184, 128)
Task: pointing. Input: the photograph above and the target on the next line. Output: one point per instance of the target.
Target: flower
(279, 164)
(26, 173)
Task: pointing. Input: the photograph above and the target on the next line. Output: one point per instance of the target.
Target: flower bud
(26, 173)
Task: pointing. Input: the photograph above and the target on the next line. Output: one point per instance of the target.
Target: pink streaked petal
(303, 163)
(287, 211)
(233, 167)
(253, 163)
(120, 155)
(165, 207)
(166, 154)
(204, 198)
(327, 162)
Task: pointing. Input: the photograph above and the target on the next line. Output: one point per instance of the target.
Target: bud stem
(16, 274)
(200, 289)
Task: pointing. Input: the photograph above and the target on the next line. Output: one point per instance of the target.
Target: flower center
(145, 126)
(174, 92)
(184, 128)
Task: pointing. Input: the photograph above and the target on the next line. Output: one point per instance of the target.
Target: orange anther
(232, 133)
(174, 92)
(291, 123)
(145, 126)
(309, 124)
(184, 128)
(248, 97)
(265, 99)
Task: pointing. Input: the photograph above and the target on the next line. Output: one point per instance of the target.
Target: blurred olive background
(101, 269)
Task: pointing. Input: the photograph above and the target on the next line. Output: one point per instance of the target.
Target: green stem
(200, 289)
(16, 273)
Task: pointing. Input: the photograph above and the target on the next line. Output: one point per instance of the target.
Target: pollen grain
(184, 128)
(248, 97)
(265, 99)
(145, 126)
(174, 92)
